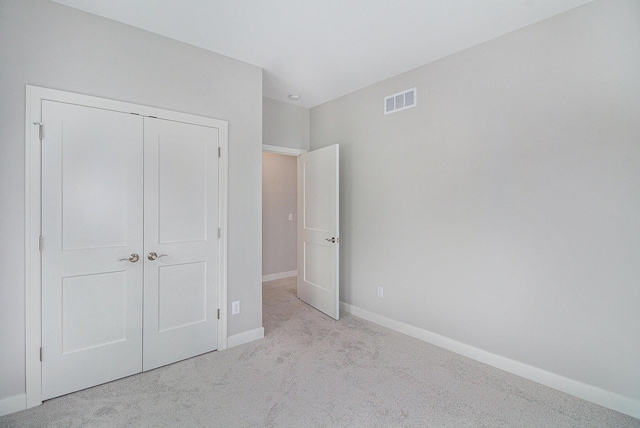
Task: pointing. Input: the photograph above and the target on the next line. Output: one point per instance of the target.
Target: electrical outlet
(380, 292)
(290, 217)
(235, 307)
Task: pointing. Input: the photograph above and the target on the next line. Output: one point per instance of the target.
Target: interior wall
(284, 124)
(46, 44)
(502, 211)
(279, 201)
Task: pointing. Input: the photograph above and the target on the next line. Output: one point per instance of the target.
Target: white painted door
(92, 213)
(318, 230)
(181, 228)
(130, 219)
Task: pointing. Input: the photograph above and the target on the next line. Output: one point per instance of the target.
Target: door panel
(93, 297)
(318, 230)
(182, 295)
(181, 227)
(318, 192)
(182, 187)
(94, 168)
(91, 218)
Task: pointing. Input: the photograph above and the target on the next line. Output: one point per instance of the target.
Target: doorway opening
(279, 220)
(317, 234)
(279, 216)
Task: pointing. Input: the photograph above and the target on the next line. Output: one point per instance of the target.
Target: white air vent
(400, 101)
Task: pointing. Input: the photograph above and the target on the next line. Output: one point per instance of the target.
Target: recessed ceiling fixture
(294, 97)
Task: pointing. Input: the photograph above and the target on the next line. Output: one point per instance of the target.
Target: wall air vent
(400, 101)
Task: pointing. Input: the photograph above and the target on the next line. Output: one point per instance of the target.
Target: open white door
(318, 230)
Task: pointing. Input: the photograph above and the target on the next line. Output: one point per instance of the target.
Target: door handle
(134, 258)
(154, 256)
(333, 240)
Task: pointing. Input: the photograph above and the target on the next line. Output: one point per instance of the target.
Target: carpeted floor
(312, 371)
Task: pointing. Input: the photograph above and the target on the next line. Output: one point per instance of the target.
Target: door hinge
(39, 129)
(218, 318)
(219, 152)
(40, 243)
(219, 233)
(40, 354)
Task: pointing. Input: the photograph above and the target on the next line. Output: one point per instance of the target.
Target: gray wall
(46, 44)
(503, 211)
(279, 199)
(284, 124)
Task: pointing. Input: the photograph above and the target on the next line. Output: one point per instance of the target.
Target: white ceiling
(324, 49)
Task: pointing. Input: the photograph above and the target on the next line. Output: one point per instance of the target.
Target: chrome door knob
(134, 258)
(154, 256)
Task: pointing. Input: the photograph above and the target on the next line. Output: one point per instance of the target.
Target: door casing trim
(33, 215)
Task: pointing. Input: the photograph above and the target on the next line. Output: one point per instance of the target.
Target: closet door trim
(33, 215)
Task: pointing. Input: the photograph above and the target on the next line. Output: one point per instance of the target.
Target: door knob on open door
(333, 240)
(153, 256)
(134, 258)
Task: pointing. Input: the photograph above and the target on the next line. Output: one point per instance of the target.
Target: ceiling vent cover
(400, 101)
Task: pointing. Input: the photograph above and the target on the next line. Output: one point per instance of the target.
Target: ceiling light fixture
(294, 97)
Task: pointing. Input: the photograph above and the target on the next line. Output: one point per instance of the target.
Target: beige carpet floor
(313, 371)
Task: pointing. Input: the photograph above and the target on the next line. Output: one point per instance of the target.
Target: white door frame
(282, 150)
(33, 209)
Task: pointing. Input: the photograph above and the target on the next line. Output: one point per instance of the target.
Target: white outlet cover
(380, 292)
(235, 307)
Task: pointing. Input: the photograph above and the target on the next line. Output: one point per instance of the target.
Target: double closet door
(130, 247)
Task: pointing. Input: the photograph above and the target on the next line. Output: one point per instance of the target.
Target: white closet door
(91, 218)
(181, 228)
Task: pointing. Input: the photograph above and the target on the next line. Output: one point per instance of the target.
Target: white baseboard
(13, 404)
(246, 337)
(587, 392)
(281, 275)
